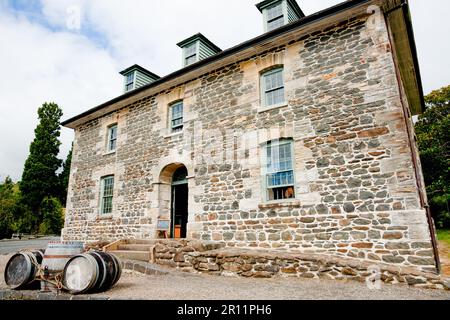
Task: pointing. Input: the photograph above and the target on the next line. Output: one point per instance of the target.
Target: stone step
(132, 255)
(140, 241)
(134, 247)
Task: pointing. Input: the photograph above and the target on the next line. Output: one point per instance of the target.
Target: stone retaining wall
(191, 256)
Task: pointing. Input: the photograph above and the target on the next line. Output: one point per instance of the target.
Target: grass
(444, 235)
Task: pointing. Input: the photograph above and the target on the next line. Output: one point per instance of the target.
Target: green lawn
(444, 235)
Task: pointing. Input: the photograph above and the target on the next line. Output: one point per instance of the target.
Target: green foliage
(64, 177)
(52, 212)
(39, 178)
(14, 215)
(433, 135)
(7, 205)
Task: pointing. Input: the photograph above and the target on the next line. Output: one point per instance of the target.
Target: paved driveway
(12, 246)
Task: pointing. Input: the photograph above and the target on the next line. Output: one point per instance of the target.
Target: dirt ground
(185, 286)
(444, 254)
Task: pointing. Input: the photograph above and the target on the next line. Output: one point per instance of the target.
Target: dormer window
(275, 16)
(197, 48)
(277, 13)
(129, 82)
(136, 77)
(190, 54)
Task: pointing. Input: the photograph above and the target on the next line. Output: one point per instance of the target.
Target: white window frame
(172, 128)
(185, 56)
(283, 5)
(103, 197)
(133, 83)
(263, 93)
(266, 173)
(109, 138)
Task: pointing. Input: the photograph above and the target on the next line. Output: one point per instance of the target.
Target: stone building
(300, 139)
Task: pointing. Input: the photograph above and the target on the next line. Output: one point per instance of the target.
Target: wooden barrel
(55, 258)
(21, 269)
(94, 271)
(118, 266)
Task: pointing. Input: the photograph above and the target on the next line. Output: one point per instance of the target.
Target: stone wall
(208, 257)
(356, 189)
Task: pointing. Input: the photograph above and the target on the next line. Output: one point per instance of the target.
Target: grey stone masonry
(356, 191)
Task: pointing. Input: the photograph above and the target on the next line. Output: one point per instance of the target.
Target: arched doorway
(179, 203)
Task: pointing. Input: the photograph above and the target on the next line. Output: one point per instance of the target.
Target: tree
(52, 213)
(64, 177)
(433, 135)
(39, 178)
(7, 204)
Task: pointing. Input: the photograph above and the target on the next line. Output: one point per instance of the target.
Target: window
(279, 170)
(275, 17)
(176, 117)
(129, 82)
(190, 54)
(112, 137)
(272, 85)
(107, 190)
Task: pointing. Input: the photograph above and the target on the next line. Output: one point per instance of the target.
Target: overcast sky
(45, 57)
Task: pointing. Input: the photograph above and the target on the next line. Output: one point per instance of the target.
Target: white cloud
(40, 66)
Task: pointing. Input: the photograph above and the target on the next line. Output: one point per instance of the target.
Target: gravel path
(185, 286)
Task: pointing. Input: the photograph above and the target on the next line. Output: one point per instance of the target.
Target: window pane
(177, 111)
(177, 117)
(273, 80)
(273, 87)
(112, 145)
(191, 50)
(280, 173)
(177, 123)
(280, 179)
(112, 138)
(274, 24)
(275, 97)
(191, 60)
(274, 12)
(107, 194)
(130, 78)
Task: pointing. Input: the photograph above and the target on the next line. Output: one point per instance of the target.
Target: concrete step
(132, 255)
(134, 247)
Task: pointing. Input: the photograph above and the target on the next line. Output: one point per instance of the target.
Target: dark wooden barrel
(119, 269)
(21, 270)
(94, 271)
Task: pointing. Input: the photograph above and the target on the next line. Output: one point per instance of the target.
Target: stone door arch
(173, 198)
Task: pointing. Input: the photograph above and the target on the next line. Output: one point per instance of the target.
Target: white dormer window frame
(190, 54)
(130, 81)
(280, 16)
